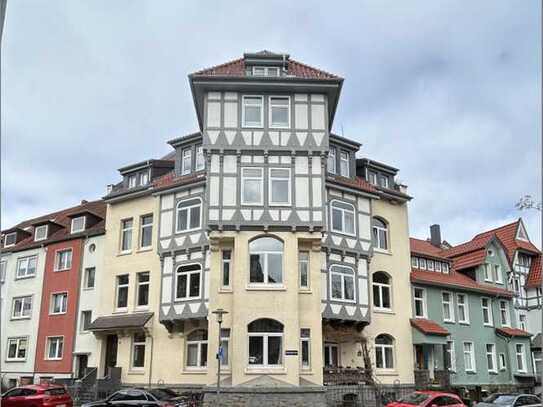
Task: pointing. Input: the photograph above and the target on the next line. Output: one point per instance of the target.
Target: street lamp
(219, 312)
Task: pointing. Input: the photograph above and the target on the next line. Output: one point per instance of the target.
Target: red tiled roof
(170, 179)
(356, 183)
(534, 277)
(424, 247)
(513, 332)
(428, 327)
(467, 247)
(471, 259)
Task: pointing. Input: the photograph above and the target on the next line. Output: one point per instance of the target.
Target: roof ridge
(496, 228)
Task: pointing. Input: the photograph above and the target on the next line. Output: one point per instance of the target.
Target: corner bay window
(384, 352)
(197, 349)
(342, 283)
(200, 161)
(266, 261)
(521, 357)
(279, 111)
(265, 343)
(188, 281)
(189, 215)
(252, 111)
(381, 290)
(122, 292)
(252, 186)
(138, 351)
(379, 234)
(342, 215)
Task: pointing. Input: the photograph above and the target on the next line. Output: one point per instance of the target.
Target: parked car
(510, 400)
(37, 395)
(162, 397)
(428, 399)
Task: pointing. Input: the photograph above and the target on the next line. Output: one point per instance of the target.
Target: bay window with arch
(384, 352)
(188, 282)
(379, 229)
(265, 343)
(266, 261)
(196, 349)
(382, 291)
(342, 286)
(188, 215)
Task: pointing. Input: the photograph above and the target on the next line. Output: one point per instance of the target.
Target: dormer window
(186, 163)
(78, 224)
(265, 71)
(332, 160)
(144, 178)
(10, 239)
(344, 164)
(372, 178)
(40, 233)
(200, 162)
(383, 182)
(132, 181)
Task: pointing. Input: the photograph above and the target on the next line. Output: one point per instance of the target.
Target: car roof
(43, 386)
(435, 393)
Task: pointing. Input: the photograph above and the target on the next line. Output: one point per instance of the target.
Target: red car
(37, 395)
(428, 399)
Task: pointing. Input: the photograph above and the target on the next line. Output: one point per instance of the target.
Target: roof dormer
(43, 229)
(13, 236)
(83, 219)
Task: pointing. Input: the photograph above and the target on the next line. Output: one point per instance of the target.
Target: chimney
(435, 235)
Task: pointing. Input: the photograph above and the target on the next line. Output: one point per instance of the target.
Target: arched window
(381, 283)
(342, 283)
(384, 352)
(189, 215)
(266, 258)
(342, 217)
(379, 234)
(188, 281)
(265, 342)
(197, 349)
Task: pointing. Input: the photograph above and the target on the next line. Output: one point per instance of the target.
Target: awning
(120, 322)
(428, 332)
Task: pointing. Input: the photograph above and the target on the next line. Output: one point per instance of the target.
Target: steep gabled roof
(425, 248)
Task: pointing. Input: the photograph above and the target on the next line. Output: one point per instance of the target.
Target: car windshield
(163, 394)
(500, 399)
(415, 399)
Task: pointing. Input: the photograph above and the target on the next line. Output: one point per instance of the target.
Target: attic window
(10, 239)
(265, 71)
(40, 233)
(132, 181)
(78, 224)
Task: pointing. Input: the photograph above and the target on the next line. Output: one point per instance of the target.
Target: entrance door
(82, 363)
(419, 357)
(111, 352)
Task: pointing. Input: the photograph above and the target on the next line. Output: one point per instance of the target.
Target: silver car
(510, 400)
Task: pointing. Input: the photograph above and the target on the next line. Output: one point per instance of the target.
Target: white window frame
(17, 341)
(381, 287)
(449, 304)
(24, 299)
(489, 308)
(146, 226)
(132, 181)
(3, 268)
(378, 243)
(303, 260)
(305, 339)
(382, 349)
(224, 262)
(343, 276)
(125, 229)
(430, 265)
(6, 236)
(199, 344)
(343, 223)
(86, 285)
(452, 354)
(471, 354)
(328, 349)
(437, 266)
(464, 306)
(265, 70)
(422, 264)
(488, 272)
(384, 181)
(82, 328)
(260, 178)
(118, 286)
(492, 354)
(140, 284)
(445, 268)
(523, 322)
(49, 342)
(244, 104)
(414, 262)
(502, 361)
(522, 354)
(225, 343)
(372, 177)
(40, 228)
(144, 177)
(343, 160)
(332, 160)
(59, 266)
(265, 270)
(133, 351)
(507, 322)
(186, 154)
(271, 106)
(498, 274)
(63, 303)
(200, 162)
(189, 215)
(189, 275)
(289, 186)
(265, 336)
(74, 220)
(25, 260)
(421, 299)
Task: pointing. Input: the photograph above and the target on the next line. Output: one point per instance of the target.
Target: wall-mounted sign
(291, 353)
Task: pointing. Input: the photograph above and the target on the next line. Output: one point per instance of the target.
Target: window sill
(493, 372)
(383, 311)
(471, 372)
(266, 288)
(305, 291)
(386, 372)
(88, 288)
(124, 253)
(25, 277)
(307, 372)
(195, 370)
(15, 360)
(252, 127)
(488, 326)
(466, 323)
(144, 249)
(20, 318)
(56, 314)
(449, 322)
(280, 204)
(266, 370)
(120, 311)
(343, 301)
(136, 372)
(337, 232)
(60, 271)
(142, 309)
(225, 290)
(382, 251)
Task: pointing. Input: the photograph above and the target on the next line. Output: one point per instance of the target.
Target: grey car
(510, 400)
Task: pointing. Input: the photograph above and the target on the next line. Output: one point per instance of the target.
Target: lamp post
(219, 313)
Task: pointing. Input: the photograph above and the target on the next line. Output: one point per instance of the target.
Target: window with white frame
(121, 301)
(331, 355)
(126, 234)
(197, 349)
(430, 265)
(332, 160)
(252, 111)
(504, 314)
(419, 299)
(265, 343)
(54, 348)
(384, 352)
(225, 346)
(40, 233)
(279, 111)
(132, 181)
(188, 281)
(447, 306)
(422, 264)
(142, 292)
(521, 357)
(415, 262)
(3, 265)
(86, 319)
(438, 266)
(17, 349)
(63, 260)
(252, 186)
(303, 269)
(265, 71)
(498, 274)
(383, 181)
(445, 268)
(379, 234)
(342, 283)
(78, 224)
(463, 308)
(186, 161)
(22, 307)
(381, 288)
(266, 261)
(491, 357)
(138, 351)
(26, 267)
(200, 159)
(502, 361)
(305, 345)
(279, 186)
(343, 215)
(344, 164)
(59, 303)
(488, 272)
(469, 357)
(522, 322)
(226, 268)
(487, 311)
(372, 177)
(146, 231)
(450, 356)
(516, 285)
(10, 239)
(144, 178)
(189, 215)
(89, 277)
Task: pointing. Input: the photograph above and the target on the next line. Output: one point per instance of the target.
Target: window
(86, 319)
(522, 322)
(188, 281)
(138, 351)
(253, 111)
(504, 314)
(63, 260)
(438, 266)
(305, 345)
(26, 266)
(59, 303)
(252, 186)
(516, 285)
(445, 268)
(415, 262)
(384, 352)
(17, 348)
(491, 357)
(122, 292)
(144, 178)
(22, 307)
(3, 265)
(419, 298)
(189, 215)
(265, 71)
(503, 365)
(146, 231)
(226, 267)
(197, 349)
(40, 233)
(332, 160)
(54, 347)
(521, 357)
(342, 283)
(126, 235)
(265, 343)
(498, 274)
(225, 345)
(266, 261)
(422, 264)
(372, 178)
(342, 215)
(488, 272)
(380, 234)
(303, 269)
(463, 308)
(446, 302)
(383, 181)
(469, 357)
(331, 355)
(430, 265)
(78, 224)
(200, 161)
(142, 295)
(487, 311)
(381, 290)
(279, 111)
(344, 164)
(279, 187)
(10, 239)
(132, 181)
(450, 356)
(186, 161)
(89, 278)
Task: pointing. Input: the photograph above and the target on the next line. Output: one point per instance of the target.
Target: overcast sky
(446, 91)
